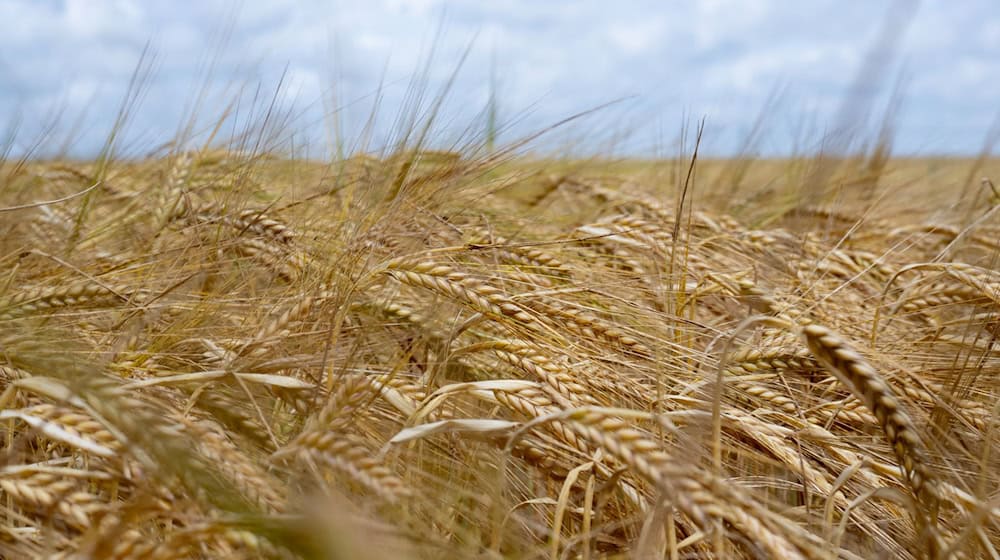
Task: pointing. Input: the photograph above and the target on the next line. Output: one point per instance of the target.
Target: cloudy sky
(810, 68)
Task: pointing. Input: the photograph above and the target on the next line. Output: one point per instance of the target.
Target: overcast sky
(667, 62)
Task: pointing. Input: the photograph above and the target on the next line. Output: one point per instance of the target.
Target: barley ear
(861, 378)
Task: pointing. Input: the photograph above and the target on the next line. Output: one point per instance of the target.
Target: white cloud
(636, 37)
(100, 19)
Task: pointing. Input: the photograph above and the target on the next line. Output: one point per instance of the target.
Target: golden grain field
(212, 354)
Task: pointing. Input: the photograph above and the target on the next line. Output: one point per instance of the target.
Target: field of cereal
(223, 354)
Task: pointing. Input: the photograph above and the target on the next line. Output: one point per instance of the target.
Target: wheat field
(221, 354)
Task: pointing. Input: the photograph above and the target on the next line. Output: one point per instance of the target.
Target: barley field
(488, 355)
